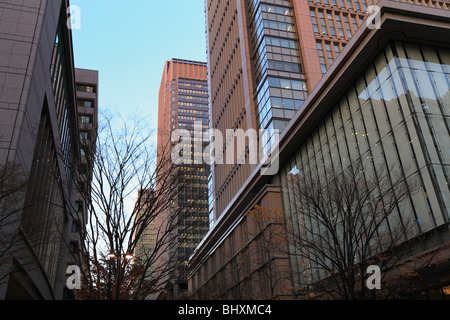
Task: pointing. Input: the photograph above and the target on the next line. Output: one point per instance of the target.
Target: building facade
(183, 106)
(87, 86)
(39, 136)
(381, 103)
(264, 59)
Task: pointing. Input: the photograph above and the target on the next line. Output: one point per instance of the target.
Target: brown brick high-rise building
(183, 102)
(285, 65)
(262, 71)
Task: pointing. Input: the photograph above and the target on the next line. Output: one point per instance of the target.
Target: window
(331, 24)
(314, 21)
(86, 88)
(323, 23)
(323, 65)
(329, 53)
(74, 227)
(73, 247)
(276, 9)
(85, 119)
(282, 26)
(284, 43)
(339, 25)
(84, 135)
(78, 206)
(347, 26)
(287, 84)
(85, 103)
(284, 66)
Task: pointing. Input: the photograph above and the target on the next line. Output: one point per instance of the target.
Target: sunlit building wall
(262, 57)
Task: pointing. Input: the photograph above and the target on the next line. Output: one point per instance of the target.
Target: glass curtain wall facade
(280, 81)
(43, 221)
(396, 116)
(53, 139)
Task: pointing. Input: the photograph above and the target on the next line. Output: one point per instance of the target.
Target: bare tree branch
(127, 192)
(343, 222)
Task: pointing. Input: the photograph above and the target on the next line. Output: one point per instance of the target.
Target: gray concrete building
(87, 82)
(39, 141)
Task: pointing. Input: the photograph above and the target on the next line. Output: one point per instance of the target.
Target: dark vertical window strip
(387, 122)
(446, 119)
(306, 168)
(62, 103)
(44, 174)
(328, 138)
(35, 212)
(407, 133)
(391, 129)
(430, 166)
(38, 219)
(418, 129)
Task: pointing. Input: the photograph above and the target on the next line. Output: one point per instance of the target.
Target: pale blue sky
(129, 41)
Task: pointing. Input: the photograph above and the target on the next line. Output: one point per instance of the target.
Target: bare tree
(13, 186)
(268, 231)
(128, 193)
(340, 223)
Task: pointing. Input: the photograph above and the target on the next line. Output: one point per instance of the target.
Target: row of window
(280, 26)
(355, 5)
(86, 88)
(85, 103)
(284, 66)
(192, 118)
(326, 22)
(85, 119)
(191, 210)
(191, 92)
(274, 22)
(280, 42)
(290, 61)
(270, 8)
(278, 108)
(188, 169)
(183, 97)
(287, 84)
(190, 125)
(269, 118)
